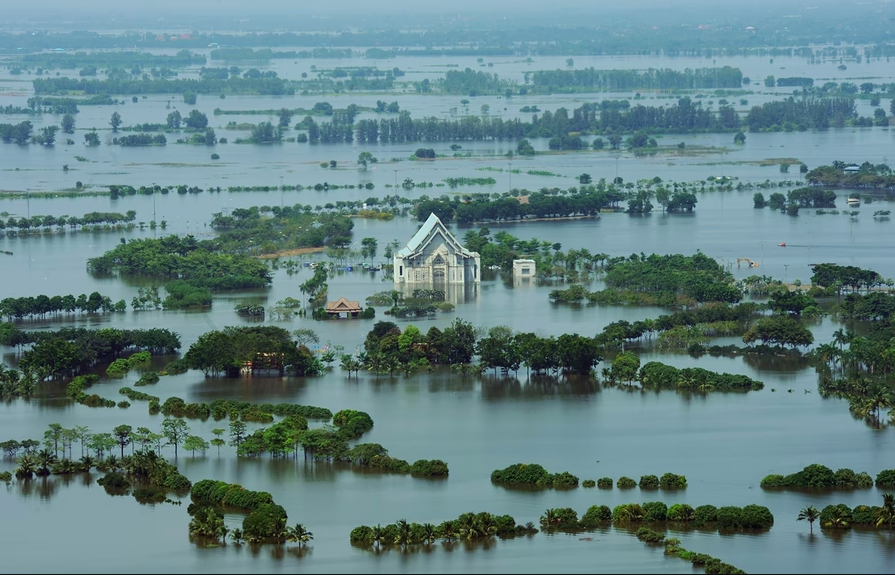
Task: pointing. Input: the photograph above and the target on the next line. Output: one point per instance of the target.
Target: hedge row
(820, 476)
(532, 474)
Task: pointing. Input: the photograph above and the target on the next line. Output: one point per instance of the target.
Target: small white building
(524, 268)
(433, 255)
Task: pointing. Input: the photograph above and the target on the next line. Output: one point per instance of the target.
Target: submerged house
(343, 308)
(433, 255)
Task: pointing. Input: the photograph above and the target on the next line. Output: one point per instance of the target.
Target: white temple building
(433, 255)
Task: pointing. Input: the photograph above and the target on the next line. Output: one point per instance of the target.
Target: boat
(854, 201)
(782, 244)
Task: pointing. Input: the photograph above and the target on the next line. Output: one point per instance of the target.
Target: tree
(305, 337)
(365, 158)
(237, 432)
(194, 443)
(758, 201)
(53, 436)
(299, 534)
(739, 138)
(174, 120)
(614, 141)
(585, 179)
(625, 366)
(91, 139)
(810, 514)
(218, 440)
(124, 436)
(196, 120)
(175, 431)
(68, 124)
(115, 122)
(368, 248)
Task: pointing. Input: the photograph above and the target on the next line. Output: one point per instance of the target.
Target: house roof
(419, 239)
(341, 305)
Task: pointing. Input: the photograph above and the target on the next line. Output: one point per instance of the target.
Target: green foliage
(649, 482)
(626, 483)
(521, 474)
(114, 481)
(655, 511)
(818, 477)
(267, 521)
(649, 536)
(681, 512)
(885, 478)
(352, 424)
(604, 483)
(672, 481)
(836, 517)
(561, 519)
(259, 347)
(429, 468)
(588, 483)
(596, 516)
(705, 514)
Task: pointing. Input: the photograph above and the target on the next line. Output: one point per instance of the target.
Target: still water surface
(723, 443)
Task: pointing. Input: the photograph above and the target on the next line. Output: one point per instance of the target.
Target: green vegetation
(590, 80)
(841, 516)
(196, 262)
(467, 527)
(866, 176)
(255, 348)
(89, 222)
(121, 366)
(819, 476)
(273, 229)
(533, 475)
(266, 86)
(42, 305)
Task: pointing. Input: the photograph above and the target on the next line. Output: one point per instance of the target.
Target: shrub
(655, 511)
(756, 517)
(215, 157)
(885, 478)
(522, 474)
(114, 481)
(863, 480)
(865, 515)
(596, 515)
(176, 481)
(844, 478)
(649, 482)
(176, 367)
(836, 517)
(148, 378)
(604, 483)
(681, 512)
(564, 480)
(362, 535)
(149, 494)
(729, 517)
(564, 518)
(626, 483)
(705, 514)
(649, 536)
(773, 481)
(265, 522)
(672, 481)
(429, 468)
(588, 483)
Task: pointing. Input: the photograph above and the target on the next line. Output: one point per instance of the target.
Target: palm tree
(810, 514)
(878, 397)
(378, 535)
(837, 521)
(447, 531)
(404, 535)
(86, 463)
(887, 512)
(548, 519)
(45, 458)
(429, 533)
(299, 534)
(237, 536)
(27, 465)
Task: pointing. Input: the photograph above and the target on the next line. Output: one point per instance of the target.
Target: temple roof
(342, 305)
(419, 239)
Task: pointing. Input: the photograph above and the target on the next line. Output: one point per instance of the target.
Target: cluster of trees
(837, 276)
(42, 305)
(841, 516)
(698, 278)
(533, 475)
(821, 476)
(140, 140)
(871, 306)
(673, 547)
(591, 80)
(68, 350)
(248, 84)
(802, 114)
(656, 375)
(130, 60)
(236, 54)
(868, 176)
(388, 349)
(254, 348)
(467, 527)
(42, 223)
(725, 519)
(198, 262)
(180, 295)
(275, 228)
(265, 522)
(238, 412)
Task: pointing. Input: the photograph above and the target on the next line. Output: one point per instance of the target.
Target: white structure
(433, 255)
(524, 269)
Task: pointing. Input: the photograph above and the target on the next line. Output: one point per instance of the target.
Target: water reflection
(538, 386)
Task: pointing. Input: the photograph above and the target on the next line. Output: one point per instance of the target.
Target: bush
(649, 482)
(672, 481)
(596, 515)
(885, 478)
(588, 483)
(649, 536)
(429, 468)
(729, 517)
(362, 535)
(865, 515)
(149, 494)
(564, 518)
(176, 481)
(564, 480)
(773, 481)
(681, 512)
(625, 483)
(522, 474)
(655, 511)
(176, 367)
(863, 480)
(114, 481)
(756, 517)
(215, 157)
(265, 522)
(705, 514)
(148, 378)
(836, 517)
(604, 483)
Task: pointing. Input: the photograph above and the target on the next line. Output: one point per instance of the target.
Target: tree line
(42, 305)
(868, 176)
(24, 225)
(589, 79)
(265, 86)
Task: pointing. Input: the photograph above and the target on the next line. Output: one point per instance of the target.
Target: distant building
(851, 169)
(433, 255)
(524, 268)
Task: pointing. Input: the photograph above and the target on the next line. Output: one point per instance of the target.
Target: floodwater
(723, 443)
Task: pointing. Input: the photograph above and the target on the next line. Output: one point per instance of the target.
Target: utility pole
(396, 179)
(511, 176)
